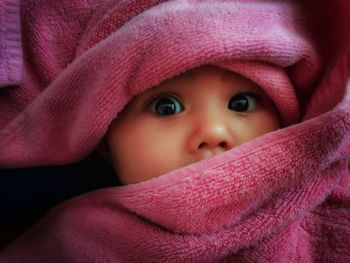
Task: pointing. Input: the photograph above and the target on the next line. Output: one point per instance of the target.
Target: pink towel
(283, 197)
(10, 43)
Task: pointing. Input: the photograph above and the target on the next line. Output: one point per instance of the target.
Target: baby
(193, 116)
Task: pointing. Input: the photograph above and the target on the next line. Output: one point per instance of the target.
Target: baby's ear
(103, 151)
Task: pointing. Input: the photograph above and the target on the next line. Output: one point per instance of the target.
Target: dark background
(26, 194)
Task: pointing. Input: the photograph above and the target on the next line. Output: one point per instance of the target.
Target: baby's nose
(214, 137)
(211, 135)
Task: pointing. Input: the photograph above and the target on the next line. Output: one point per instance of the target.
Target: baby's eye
(166, 105)
(242, 103)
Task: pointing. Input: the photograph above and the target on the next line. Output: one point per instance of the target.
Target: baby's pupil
(239, 103)
(165, 107)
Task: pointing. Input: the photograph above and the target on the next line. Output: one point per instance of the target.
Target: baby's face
(191, 117)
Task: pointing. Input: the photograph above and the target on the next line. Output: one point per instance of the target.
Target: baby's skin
(193, 116)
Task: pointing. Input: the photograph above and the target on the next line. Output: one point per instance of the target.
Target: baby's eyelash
(156, 96)
(253, 94)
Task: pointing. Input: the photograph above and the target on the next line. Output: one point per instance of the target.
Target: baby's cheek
(269, 121)
(256, 126)
(270, 117)
(145, 156)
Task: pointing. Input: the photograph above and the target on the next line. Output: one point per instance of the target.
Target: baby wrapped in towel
(227, 123)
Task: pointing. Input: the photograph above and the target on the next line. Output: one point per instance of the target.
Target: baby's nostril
(202, 145)
(223, 145)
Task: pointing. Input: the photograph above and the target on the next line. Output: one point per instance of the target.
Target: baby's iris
(242, 103)
(166, 106)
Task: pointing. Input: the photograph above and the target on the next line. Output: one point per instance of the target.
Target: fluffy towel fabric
(283, 197)
(10, 44)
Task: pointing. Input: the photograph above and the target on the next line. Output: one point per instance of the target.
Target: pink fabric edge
(10, 45)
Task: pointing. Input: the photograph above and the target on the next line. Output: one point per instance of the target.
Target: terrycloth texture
(284, 197)
(10, 43)
(76, 108)
(50, 31)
